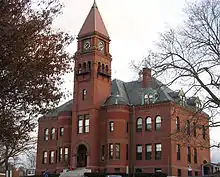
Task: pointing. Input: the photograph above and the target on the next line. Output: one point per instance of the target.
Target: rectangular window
(127, 127)
(179, 172)
(117, 151)
(80, 124)
(178, 151)
(52, 157)
(66, 154)
(195, 155)
(126, 151)
(86, 124)
(138, 170)
(44, 157)
(177, 123)
(158, 170)
(196, 173)
(111, 150)
(139, 152)
(111, 126)
(158, 152)
(84, 92)
(61, 131)
(60, 154)
(117, 170)
(46, 134)
(189, 173)
(103, 153)
(53, 132)
(188, 154)
(148, 148)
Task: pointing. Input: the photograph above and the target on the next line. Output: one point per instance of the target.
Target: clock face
(101, 45)
(86, 45)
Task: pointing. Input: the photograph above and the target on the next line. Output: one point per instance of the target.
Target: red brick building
(113, 126)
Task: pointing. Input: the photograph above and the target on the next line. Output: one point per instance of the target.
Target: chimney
(146, 77)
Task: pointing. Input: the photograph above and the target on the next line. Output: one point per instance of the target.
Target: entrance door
(82, 156)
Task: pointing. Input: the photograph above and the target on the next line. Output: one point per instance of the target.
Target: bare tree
(33, 59)
(190, 55)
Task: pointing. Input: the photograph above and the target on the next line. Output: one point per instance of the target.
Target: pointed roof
(93, 23)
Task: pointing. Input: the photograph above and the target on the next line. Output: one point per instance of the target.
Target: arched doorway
(81, 156)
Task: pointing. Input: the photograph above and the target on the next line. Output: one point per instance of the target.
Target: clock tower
(92, 86)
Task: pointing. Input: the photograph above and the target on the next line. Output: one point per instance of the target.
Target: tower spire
(94, 4)
(93, 23)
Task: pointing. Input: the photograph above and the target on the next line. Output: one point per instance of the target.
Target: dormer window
(182, 100)
(84, 92)
(146, 99)
(198, 104)
(151, 98)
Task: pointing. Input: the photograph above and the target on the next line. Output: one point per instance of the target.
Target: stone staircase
(78, 172)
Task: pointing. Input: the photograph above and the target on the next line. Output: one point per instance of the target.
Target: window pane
(139, 152)
(61, 131)
(111, 151)
(139, 148)
(80, 124)
(149, 148)
(111, 126)
(148, 124)
(66, 154)
(86, 125)
(139, 125)
(117, 151)
(60, 154)
(53, 133)
(46, 134)
(158, 147)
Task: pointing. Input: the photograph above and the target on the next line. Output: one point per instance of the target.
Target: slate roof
(93, 23)
(132, 93)
(66, 107)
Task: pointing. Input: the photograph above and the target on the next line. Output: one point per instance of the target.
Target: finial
(94, 4)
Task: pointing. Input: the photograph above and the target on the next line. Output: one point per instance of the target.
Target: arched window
(89, 65)
(148, 124)
(188, 127)
(158, 123)
(46, 134)
(99, 66)
(139, 124)
(106, 68)
(84, 66)
(79, 68)
(53, 133)
(177, 123)
(103, 68)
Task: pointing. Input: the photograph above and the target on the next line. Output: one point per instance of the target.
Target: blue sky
(133, 26)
